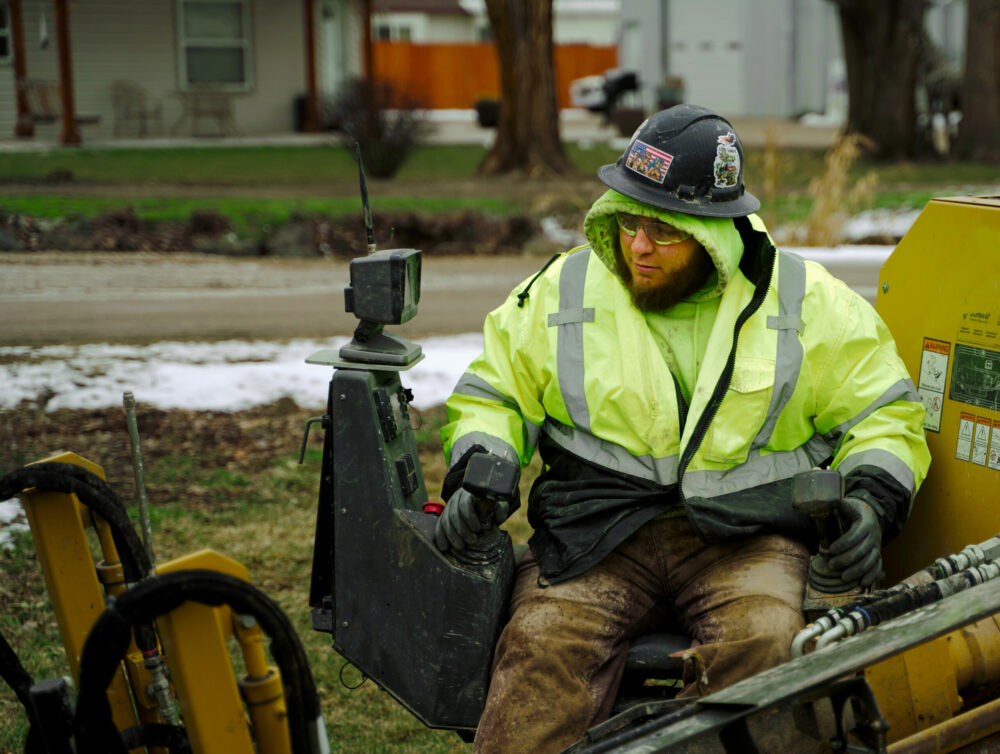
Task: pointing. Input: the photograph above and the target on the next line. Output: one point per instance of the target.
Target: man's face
(660, 275)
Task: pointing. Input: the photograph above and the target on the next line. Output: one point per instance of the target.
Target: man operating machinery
(675, 374)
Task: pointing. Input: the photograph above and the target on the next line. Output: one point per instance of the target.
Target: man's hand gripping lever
(470, 519)
(850, 536)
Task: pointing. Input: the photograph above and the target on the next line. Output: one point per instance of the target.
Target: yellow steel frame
(194, 639)
(57, 520)
(194, 636)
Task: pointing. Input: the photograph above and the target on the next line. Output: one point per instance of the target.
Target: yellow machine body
(939, 293)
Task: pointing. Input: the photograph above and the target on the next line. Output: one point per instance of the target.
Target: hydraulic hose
(901, 601)
(93, 492)
(108, 641)
(838, 623)
(20, 682)
(100, 498)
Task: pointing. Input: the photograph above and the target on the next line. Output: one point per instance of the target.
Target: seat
(132, 105)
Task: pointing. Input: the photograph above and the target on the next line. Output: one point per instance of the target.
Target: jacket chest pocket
(742, 412)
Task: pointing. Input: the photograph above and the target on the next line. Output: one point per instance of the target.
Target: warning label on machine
(933, 373)
(975, 377)
(981, 441)
(993, 461)
(966, 427)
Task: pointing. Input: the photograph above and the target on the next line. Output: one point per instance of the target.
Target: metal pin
(140, 478)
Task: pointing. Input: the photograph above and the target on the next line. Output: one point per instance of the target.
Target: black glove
(857, 554)
(460, 525)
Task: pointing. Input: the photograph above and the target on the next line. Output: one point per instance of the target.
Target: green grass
(434, 179)
(248, 217)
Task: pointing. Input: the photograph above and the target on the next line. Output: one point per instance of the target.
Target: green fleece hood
(717, 234)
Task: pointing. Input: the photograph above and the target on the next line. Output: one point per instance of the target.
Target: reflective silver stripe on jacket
(884, 460)
(757, 470)
(493, 445)
(609, 455)
(475, 386)
(761, 469)
(569, 351)
(788, 358)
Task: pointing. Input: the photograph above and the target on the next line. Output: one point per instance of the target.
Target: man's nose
(641, 243)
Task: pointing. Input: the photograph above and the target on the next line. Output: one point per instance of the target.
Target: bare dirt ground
(78, 297)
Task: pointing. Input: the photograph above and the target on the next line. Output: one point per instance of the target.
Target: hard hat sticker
(727, 162)
(648, 161)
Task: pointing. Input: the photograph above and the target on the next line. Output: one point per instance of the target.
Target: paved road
(54, 297)
(133, 298)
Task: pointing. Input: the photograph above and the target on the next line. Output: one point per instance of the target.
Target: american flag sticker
(648, 161)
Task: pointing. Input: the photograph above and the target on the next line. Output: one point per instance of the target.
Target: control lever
(818, 494)
(492, 479)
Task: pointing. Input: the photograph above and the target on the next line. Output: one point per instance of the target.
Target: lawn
(259, 186)
(226, 481)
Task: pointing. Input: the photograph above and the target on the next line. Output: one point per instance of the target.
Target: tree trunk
(881, 51)
(527, 138)
(979, 131)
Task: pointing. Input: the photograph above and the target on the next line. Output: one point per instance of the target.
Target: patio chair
(132, 105)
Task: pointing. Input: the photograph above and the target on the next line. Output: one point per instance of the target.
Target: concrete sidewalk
(460, 127)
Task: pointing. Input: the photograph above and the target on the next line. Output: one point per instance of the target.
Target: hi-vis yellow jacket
(792, 371)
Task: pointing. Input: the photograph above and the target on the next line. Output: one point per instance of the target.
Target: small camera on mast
(384, 290)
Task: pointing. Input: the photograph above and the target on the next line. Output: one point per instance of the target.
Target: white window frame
(245, 43)
(5, 33)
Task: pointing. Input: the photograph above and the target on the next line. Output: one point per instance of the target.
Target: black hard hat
(685, 159)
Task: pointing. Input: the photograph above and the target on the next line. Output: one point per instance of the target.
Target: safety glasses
(659, 233)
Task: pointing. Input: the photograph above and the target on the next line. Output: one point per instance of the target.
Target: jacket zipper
(698, 436)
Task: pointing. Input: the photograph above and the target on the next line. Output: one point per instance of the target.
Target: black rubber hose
(172, 737)
(93, 492)
(97, 495)
(20, 682)
(108, 641)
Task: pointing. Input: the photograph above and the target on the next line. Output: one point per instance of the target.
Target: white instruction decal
(933, 373)
(966, 424)
(981, 441)
(994, 460)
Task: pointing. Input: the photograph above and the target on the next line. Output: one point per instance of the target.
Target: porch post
(311, 121)
(25, 127)
(70, 135)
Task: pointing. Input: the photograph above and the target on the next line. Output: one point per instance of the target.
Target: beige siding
(137, 40)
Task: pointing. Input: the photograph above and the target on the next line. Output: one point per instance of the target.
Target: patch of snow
(223, 376)
(12, 519)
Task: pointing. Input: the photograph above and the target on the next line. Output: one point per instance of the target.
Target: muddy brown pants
(560, 658)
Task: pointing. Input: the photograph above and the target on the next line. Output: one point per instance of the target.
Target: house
(170, 67)
(765, 58)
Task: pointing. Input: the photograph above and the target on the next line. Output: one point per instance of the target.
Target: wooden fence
(453, 76)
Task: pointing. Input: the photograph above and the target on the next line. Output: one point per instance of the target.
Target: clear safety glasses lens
(659, 233)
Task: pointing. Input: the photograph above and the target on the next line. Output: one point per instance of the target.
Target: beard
(677, 287)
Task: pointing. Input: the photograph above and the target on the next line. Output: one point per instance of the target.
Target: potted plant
(487, 111)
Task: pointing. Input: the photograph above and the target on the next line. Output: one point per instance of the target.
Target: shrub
(385, 124)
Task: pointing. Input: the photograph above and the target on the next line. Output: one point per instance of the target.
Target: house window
(390, 32)
(4, 33)
(214, 43)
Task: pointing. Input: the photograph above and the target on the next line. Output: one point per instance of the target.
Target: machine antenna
(369, 223)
